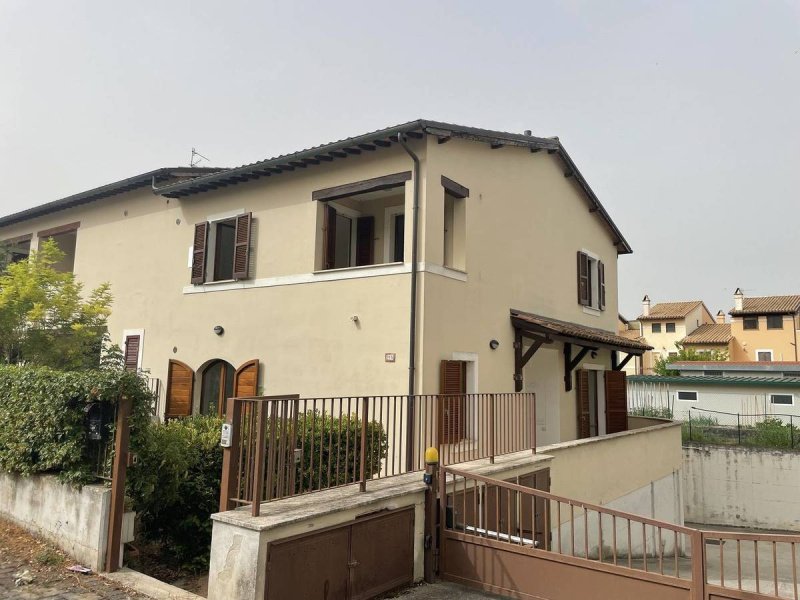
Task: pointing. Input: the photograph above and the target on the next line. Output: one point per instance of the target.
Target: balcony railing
(285, 446)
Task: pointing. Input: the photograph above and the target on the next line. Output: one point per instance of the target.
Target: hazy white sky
(683, 116)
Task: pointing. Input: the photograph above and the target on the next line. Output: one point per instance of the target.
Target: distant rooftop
(768, 305)
(670, 310)
(702, 365)
(710, 333)
(699, 380)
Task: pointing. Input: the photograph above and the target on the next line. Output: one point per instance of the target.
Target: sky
(683, 116)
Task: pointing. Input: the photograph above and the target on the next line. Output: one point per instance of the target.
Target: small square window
(655, 327)
(670, 327)
(750, 323)
(785, 399)
(687, 396)
(774, 321)
(764, 355)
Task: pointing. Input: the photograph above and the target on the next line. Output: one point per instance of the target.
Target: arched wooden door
(180, 390)
(245, 381)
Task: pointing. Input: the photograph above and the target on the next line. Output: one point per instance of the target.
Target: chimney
(738, 299)
(527, 132)
(646, 306)
(721, 318)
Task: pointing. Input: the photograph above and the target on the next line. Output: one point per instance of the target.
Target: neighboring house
(631, 330)
(711, 337)
(765, 328)
(421, 258)
(746, 388)
(665, 324)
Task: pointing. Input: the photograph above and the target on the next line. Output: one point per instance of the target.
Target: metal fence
(764, 430)
(285, 446)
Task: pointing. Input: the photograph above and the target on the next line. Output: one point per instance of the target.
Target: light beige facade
(511, 244)
(664, 325)
(780, 343)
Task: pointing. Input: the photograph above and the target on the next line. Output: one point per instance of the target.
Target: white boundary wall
(76, 520)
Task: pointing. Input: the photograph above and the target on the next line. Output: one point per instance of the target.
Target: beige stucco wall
(524, 224)
(749, 341)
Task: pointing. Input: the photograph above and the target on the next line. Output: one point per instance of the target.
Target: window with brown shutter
(329, 237)
(199, 253)
(601, 279)
(583, 399)
(616, 402)
(365, 241)
(452, 387)
(584, 292)
(132, 343)
(241, 249)
(180, 390)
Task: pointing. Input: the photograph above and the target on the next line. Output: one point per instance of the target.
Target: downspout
(412, 334)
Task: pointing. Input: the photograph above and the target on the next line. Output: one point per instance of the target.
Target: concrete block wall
(76, 520)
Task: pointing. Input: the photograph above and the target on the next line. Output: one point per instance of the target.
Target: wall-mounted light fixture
(219, 330)
(355, 319)
(494, 344)
(594, 353)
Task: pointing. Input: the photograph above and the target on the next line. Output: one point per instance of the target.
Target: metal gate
(354, 561)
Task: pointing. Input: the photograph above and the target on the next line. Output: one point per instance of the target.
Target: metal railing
(156, 389)
(285, 446)
(761, 430)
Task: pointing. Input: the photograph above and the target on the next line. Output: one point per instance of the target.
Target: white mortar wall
(75, 520)
(742, 487)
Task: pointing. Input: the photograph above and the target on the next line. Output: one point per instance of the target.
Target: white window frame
(389, 213)
(781, 403)
(771, 354)
(594, 284)
(679, 392)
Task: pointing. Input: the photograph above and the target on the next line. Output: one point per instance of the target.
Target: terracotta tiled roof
(670, 310)
(554, 327)
(710, 333)
(632, 334)
(729, 364)
(768, 305)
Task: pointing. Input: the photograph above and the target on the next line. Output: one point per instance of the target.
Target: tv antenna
(197, 158)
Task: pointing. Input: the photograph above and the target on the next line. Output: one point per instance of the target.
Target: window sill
(359, 268)
(595, 312)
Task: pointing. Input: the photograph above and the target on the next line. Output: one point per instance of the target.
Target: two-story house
(765, 328)
(421, 258)
(665, 324)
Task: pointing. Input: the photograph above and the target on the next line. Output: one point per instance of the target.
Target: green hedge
(43, 423)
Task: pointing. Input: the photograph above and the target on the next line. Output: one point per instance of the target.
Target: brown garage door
(356, 561)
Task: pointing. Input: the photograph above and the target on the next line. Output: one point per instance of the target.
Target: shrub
(175, 487)
(658, 412)
(773, 433)
(43, 423)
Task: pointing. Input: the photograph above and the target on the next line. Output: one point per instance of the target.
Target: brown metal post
(258, 467)
(363, 457)
(698, 566)
(533, 422)
(431, 544)
(491, 428)
(229, 488)
(121, 441)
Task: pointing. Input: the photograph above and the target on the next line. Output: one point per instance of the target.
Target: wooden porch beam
(522, 358)
(621, 365)
(570, 363)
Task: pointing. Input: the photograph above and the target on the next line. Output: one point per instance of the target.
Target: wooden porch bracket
(570, 363)
(522, 358)
(618, 366)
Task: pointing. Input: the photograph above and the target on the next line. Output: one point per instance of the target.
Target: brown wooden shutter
(245, 381)
(601, 276)
(132, 343)
(241, 247)
(584, 295)
(616, 402)
(582, 399)
(452, 384)
(365, 241)
(199, 253)
(329, 237)
(180, 390)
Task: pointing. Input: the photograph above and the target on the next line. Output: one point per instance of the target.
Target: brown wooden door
(452, 387)
(245, 380)
(616, 402)
(381, 554)
(180, 390)
(582, 397)
(532, 514)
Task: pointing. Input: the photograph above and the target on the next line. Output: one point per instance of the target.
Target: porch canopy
(538, 330)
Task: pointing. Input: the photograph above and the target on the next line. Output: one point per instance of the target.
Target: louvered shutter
(245, 381)
(365, 241)
(452, 384)
(329, 237)
(616, 402)
(241, 247)
(199, 253)
(180, 390)
(601, 276)
(584, 295)
(582, 399)
(132, 343)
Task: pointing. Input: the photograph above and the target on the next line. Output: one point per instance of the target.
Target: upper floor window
(670, 327)
(221, 249)
(774, 321)
(363, 223)
(750, 323)
(591, 281)
(455, 224)
(15, 250)
(655, 327)
(66, 236)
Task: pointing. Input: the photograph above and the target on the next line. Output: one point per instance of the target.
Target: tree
(687, 355)
(44, 320)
